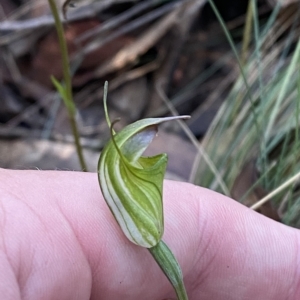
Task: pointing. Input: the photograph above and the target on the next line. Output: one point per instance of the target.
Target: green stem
(169, 265)
(68, 99)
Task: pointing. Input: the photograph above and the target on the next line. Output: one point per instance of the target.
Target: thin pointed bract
(66, 5)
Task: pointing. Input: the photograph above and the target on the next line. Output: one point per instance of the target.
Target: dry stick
(190, 135)
(17, 29)
(145, 19)
(117, 20)
(128, 54)
(47, 20)
(86, 99)
(290, 181)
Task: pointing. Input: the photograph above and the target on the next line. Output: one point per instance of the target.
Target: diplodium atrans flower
(132, 187)
(132, 184)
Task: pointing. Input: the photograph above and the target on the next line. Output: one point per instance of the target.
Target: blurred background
(233, 66)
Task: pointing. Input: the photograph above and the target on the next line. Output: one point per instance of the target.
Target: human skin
(60, 241)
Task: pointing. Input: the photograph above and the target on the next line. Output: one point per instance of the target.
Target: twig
(194, 141)
(290, 181)
(145, 19)
(48, 21)
(129, 54)
(117, 20)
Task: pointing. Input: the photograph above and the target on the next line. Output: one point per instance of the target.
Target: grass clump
(258, 123)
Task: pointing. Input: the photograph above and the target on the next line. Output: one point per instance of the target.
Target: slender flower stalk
(65, 90)
(132, 188)
(169, 265)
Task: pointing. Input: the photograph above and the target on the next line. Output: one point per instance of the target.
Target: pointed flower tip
(184, 117)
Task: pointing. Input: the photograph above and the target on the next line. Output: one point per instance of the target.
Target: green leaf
(132, 184)
(64, 95)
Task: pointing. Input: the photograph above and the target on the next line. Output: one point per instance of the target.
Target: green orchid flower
(132, 184)
(132, 187)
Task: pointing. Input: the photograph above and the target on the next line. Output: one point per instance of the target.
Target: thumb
(62, 241)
